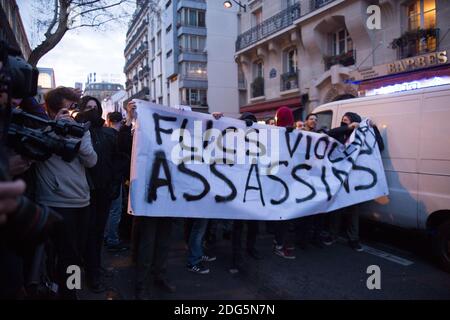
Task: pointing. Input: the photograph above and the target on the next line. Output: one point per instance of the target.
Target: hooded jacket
(62, 184)
(284, 117)
(106, 174)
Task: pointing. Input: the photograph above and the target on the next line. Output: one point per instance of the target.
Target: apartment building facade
(303, 53)
(136, 53)
(191, 55)
(12, 30)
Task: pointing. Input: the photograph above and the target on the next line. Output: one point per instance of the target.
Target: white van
(415, 126)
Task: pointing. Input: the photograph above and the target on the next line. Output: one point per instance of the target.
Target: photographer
(63, 186)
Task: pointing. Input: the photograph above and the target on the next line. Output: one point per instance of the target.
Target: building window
(342, 43)
(289, 3)
(153, 47)
(421, 35)
(193, 43)
(256, 17)
(258, 79)
(168, 54)
(158, 41)
(192, 17)
(421, 14)
(168, 3)
(290, 60)
(168, 29)
(195, 70)
(258, 70)
(195, 97)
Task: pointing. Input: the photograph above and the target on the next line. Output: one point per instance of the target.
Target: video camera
(32, 136)
(18, 79)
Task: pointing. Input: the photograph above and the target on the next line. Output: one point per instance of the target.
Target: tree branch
(50, 42)
(98, 8)
(54, 20)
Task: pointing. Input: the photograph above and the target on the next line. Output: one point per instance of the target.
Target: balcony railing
(414, 43)
(195, 51)
(193, 76)
(142, 94)
(137, 35)
(346, 59)
(136, 15)
(275, 23)
(197, 104)
(289, 80)
(316, 4)
(242, 83)
(258, 87)
(136, 56)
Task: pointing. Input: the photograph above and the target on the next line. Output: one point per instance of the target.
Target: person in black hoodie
(350, 121)
(105, 143)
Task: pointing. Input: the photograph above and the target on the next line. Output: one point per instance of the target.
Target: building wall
(311, 35)
(222, 69)
(12, 29)
(138, 43)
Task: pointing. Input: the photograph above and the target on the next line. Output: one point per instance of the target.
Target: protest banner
(187, 164)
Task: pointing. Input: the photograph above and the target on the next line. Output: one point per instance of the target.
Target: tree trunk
(51, 40)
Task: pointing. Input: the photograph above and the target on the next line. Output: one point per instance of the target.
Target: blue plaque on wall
(273, 73)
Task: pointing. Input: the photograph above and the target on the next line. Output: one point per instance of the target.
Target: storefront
(422, 71)
(266, 110)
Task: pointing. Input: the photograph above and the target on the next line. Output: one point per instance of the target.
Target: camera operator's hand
(217, 115)
(9, 191)
(131, 113)
(18, 164)
(64, 114)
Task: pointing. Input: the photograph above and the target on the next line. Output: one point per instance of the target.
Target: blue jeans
(112, 226)
(195, 241)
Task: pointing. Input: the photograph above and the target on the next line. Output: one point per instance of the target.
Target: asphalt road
(407, 271)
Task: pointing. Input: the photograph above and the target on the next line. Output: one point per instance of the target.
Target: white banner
(187, 164)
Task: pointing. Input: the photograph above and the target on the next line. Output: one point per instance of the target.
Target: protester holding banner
(308, 229)
(151, 236)
(284, 118)
(350, 121)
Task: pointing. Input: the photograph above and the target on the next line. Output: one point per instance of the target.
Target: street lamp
(229, 4)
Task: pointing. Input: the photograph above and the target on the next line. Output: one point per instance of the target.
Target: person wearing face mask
(350, 121)
(102, 178)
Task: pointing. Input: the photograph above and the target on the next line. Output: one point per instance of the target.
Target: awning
(267, 109)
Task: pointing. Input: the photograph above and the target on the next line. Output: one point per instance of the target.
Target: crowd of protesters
(89, 193)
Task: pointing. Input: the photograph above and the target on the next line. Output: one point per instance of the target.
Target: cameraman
(63, 187)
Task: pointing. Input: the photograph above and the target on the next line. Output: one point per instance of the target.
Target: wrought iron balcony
(137, 35)
(346, 59)
(137, 14)
(258, 87)
(316, 4)
(414, 43)
(289, 80)
(274, 24)
(242, 83)
(136, 56)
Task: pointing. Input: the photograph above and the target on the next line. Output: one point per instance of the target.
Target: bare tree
(55, 17)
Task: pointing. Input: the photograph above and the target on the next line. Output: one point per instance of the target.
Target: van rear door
(434, 155)
(398, 119)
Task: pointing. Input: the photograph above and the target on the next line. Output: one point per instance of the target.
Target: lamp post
(229, 4)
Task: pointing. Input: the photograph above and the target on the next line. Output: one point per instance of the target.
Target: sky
(82, 51)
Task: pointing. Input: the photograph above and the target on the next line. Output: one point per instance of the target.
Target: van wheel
(442, 245)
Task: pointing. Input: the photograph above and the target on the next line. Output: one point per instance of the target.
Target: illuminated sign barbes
(400, 66)
(418, 62)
